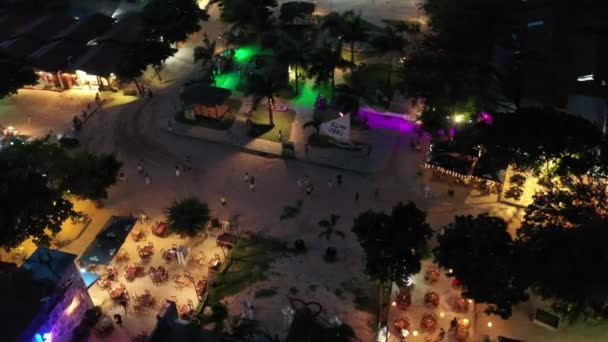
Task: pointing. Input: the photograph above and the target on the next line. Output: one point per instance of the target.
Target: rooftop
(48, 265)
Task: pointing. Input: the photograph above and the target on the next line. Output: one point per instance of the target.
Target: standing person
(118, 319)
(300, 181)
(453, 323)
(357, 196)
(441, 334)
(122, 177)
(339, 178)
(169, 126)
(148, 180)
(252, 184)
(308, 189)
(223, 201)
(246, 177)
(330, 184)
(176, 170)
(149, 93)
(140, 169)
(97, 99)
(29, 119)
(280, 136)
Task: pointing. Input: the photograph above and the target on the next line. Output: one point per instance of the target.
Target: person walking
(357, 196)
(140, 169)
(280, 136)
(339, 179)
(308, 189)
(453, 323)
(246, 177)
(118, 319)
(149, 93)
(169, 126)
(177, 171)
(441, 335)
(223, 201)
(29, 119)
(148, 180)
(252, 184)
(330, 185)
(97, 98)
(122, 177)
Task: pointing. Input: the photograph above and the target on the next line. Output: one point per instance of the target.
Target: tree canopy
(35, 182)
(172, 20)
(485, 259)
(395, 243)
(248, 14)
(188, 216)
(533, 137)
(565, 266)
(15, 75)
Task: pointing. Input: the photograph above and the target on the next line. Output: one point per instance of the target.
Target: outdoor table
(201, 287)
(136, 234)
(401, 324)
(184, 311)
(117, 293)
(146, 251)
(431, 298)
(112, 273)
(403, 301)
(181, 280)
(132, 272)
(461, 304)
(145, 300)
(428, 323)
(159, 228)
(226, 240)
(431, 276)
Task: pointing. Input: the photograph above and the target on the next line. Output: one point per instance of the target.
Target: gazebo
(206, 101)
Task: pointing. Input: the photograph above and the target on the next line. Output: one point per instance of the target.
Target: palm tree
(265, 83)
(188, 216)
(390, 43)
(348, 96)
(205, 52)
(323, 62)
(348, 27)
(292, 49)
(330, 227)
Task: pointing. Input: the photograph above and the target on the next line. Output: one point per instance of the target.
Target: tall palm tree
(323, 63)
(292, 49)
(330, 227)
(265, 83)
(391, 44)
(348, 27)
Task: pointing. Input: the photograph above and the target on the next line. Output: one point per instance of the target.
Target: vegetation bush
(299, 247)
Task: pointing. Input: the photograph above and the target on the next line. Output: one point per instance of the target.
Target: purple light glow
(485, 117)
(392, 121)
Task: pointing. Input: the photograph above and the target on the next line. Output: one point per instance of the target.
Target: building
(206, 101)
(67, 51)
(564, 54)
(45, 298)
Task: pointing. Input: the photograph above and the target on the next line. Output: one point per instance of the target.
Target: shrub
(331, 254)
(263, 293)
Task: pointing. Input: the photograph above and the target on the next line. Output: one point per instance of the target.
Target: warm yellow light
(465, 321)
(489, 324)
(394, 303)
(415, 332)
(441, 314)
(450, 271)
(470, 301)
(458, 118)
(73, 305)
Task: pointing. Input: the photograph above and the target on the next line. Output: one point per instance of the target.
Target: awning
(107, 243)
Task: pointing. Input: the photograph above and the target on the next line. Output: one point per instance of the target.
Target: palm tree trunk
(352, 55)
(138, 86)
(297, 81)
(390, 71)
(270, 118)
